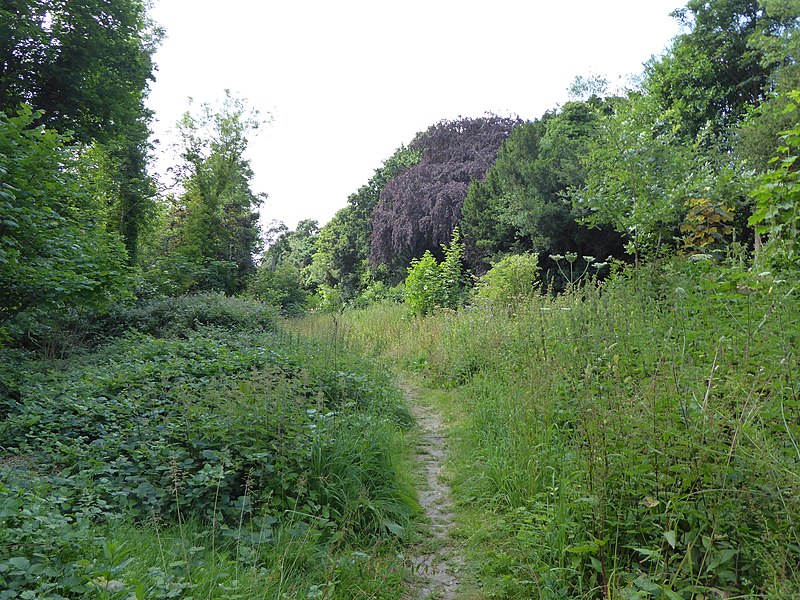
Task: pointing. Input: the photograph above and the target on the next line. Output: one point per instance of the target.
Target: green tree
(293, 248)
(723, 64)
(638, 176)
(342, 247)
(86, 65)
(55, 254)
(216, 217)
(523, 204)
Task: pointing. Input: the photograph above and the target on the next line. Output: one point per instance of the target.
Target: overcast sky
(348, 81)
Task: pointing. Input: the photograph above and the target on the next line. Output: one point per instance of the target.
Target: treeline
(684, 163)
(83, 224)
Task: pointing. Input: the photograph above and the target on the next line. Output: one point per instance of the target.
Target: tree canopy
(723, 63)
(55, 254)
(216, 222)
(419, 209)
(524, 204)
(85, 67)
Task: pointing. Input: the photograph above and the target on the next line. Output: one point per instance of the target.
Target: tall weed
(637, 439)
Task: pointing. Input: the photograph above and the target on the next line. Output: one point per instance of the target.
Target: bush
(377, 292)
(281, 287)
(166, 317)
(424, 285)
(510, 281)
(431, 285)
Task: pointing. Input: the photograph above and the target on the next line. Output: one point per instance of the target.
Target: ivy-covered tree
(86, 65)
(419, 209)
(216, 217)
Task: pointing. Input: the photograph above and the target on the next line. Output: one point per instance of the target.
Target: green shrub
(377, 292)
(281, 287)
(510, 281)
(430, 285)
(424, 285)
(165, 317)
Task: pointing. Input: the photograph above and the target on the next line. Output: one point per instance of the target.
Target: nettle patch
(219, 427)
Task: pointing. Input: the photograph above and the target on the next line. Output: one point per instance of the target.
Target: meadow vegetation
(198, 450)
(611, 331)
(636, 438)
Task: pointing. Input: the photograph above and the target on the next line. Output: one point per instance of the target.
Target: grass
(638, 439)
(635, 440)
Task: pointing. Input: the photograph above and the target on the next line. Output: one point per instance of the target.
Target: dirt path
(439, 562)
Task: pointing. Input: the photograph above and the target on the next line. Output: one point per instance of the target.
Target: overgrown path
(438, 563)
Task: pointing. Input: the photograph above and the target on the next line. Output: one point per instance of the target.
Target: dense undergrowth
(191, 448)
(639, 439)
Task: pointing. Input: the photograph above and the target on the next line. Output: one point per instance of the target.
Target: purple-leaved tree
(419, 209)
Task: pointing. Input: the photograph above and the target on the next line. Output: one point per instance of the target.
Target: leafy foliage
(511, 281)
(424, 285)
(638, 176)
(55, 254)
(778, 196)
(235, 433)
(523, 204)
(216, 220)
(720, 66)
(281, 286)
(342, 248)
(86, 65)
(707, 226)
(419, 208)
(432, 285)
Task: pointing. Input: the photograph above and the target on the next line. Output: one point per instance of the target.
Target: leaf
(393, 527)
(670, 595)
(20, 562)
(721, 558)
(671, 538)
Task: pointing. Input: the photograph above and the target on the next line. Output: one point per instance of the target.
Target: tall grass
(638, 439)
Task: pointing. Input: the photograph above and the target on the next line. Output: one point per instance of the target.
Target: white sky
(348, 81)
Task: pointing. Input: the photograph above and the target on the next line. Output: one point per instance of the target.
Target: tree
(419, 209)
(292, 248)
(217, 218)
(722, 64)
(86, 66)
(637, 176)
(341, 259)
(523, 204)
(55, 254)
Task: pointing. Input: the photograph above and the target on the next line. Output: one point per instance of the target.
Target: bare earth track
(439, 562)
